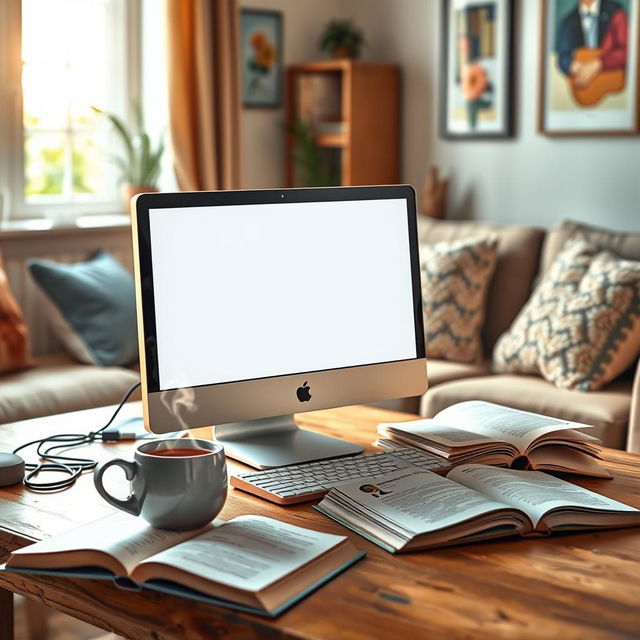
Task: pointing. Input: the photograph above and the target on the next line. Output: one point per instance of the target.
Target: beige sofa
(524, 253)
(57, 384)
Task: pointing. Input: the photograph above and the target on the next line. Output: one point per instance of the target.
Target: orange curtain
(204, 92)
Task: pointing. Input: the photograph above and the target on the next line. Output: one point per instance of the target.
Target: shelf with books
(348, 105)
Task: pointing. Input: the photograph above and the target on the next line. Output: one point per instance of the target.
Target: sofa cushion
(14, 335)
(624, 244)
(93, 309)
(581, 327)
(516, 267)
(455, 278)
(58, 384)
(607, 410)
(439, 371)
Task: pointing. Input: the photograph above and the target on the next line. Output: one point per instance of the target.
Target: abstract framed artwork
(589, 80)
(261, 57)
(476, 95)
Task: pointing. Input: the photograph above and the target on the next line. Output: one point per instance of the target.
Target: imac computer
(255, 305)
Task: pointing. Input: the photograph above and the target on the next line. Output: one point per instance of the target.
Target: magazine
(407, 510)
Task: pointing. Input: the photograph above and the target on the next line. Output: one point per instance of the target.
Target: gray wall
(529, 179)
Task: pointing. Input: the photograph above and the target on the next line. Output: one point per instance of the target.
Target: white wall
(262, 129)
(537, 179)
(529, 179)
(384, 23)
(403, 32)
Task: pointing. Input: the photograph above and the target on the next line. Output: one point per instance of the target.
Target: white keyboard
(311, 480)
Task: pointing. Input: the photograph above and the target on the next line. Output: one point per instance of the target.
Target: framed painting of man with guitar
(589, 67)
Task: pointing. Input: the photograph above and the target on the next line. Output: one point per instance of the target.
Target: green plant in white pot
(140, 164)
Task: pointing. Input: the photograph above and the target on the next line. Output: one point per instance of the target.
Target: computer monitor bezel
(156, 402)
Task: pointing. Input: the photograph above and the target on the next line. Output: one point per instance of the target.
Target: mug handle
(131, 504)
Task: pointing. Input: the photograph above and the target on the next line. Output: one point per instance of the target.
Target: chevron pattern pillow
(455, 280)
(581, 327)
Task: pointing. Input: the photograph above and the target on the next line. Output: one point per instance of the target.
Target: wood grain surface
(570, 586)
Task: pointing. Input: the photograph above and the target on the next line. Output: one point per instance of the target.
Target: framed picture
(589, 67)
(261, 56)
(476, 99)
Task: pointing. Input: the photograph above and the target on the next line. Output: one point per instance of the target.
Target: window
(68, 56)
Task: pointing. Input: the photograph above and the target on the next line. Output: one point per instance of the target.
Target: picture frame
(476, 79)
(261, 47)
(589, 82)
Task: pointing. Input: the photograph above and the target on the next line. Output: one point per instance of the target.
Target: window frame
(126, 17)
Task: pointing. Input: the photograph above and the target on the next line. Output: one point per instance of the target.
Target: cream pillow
(455, 280)
(581, 327)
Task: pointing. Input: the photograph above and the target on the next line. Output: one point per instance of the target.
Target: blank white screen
(253, 291)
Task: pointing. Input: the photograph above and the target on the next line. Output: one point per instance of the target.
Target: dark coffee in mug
(178, 452)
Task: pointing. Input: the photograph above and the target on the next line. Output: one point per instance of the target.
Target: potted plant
(140, 165)
(342, 39)
(307, 155)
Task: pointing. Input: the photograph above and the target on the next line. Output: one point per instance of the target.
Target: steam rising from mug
(178, 402)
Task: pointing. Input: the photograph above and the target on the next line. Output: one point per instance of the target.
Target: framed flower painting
(261, 48)
(476, 95)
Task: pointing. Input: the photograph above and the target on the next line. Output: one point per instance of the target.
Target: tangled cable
(71, 466)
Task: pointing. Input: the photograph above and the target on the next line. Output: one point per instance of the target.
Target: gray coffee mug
(172, 492)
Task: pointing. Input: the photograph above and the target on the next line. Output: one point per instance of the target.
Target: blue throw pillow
(93, 309)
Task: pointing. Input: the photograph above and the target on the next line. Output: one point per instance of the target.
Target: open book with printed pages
(406, 511)
(486, 433)
(250, 563)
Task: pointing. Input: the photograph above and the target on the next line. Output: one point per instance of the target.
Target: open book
(404, 511)
(487, 433)
(250, 563)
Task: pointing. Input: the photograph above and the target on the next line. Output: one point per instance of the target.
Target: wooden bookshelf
(361, 102)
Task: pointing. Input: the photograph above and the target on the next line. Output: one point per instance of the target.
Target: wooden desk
(572, 586)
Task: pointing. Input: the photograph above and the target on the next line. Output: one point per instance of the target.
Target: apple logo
(303, 392)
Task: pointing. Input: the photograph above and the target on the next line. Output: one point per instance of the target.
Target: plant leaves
(154, 165)
(141, 166)
(138, 116)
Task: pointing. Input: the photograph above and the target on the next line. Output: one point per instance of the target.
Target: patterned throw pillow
(14, 336)
(581, 327)
(455, 279)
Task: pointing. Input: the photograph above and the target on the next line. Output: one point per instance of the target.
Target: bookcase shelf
(332, 140)
(353, 108)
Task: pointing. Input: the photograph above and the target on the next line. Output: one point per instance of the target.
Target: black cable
(72, 466)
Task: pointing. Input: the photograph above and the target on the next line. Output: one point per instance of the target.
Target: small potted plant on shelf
(313, 169)
(342, 39)
(140, 165)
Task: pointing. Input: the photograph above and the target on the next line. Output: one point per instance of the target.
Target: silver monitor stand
(278, 441)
